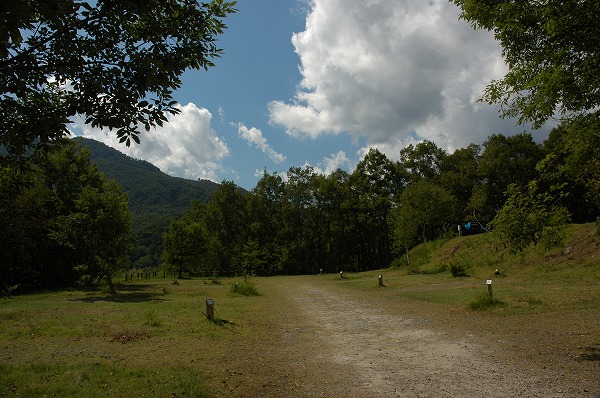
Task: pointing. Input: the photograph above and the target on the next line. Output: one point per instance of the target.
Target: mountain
(155, 198)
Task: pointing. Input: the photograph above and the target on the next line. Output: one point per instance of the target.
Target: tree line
(305, 222)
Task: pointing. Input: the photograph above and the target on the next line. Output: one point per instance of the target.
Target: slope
(155, 198)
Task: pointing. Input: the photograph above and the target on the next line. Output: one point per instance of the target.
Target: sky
(319, 82)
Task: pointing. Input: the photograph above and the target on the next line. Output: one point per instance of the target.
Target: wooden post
(489, 285)
(380, 281)
(342, 274)
(210, 309)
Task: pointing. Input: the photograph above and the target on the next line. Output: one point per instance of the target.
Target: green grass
(141, 342)
(97, 380)
(484, 302)
(537, 280)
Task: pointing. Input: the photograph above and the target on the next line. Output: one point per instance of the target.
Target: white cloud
(255, 137)
(185, 147)
(388, 70)
(329, 164)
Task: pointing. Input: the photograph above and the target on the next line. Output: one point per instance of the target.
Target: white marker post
(210, 309)
(489, 285)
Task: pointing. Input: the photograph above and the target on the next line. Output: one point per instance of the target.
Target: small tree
(184, 245)
(99, 230)
(528, 217)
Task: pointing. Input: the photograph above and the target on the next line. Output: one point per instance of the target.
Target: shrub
(456, 268)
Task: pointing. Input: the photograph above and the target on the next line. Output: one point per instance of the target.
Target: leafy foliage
(529, 217)
(426, 210)
(61, 221)
(312, 223)
(551, 48)
(115, 62)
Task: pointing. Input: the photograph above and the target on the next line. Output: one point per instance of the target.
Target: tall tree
(334, 211)
(552, 51)
(422, 161)
(573, 161)
(301, 229)
(116, 62)
(99, 231)
(460, 174)
(185, 245)
(226, 220)
(265, 229)
(375, 182)
(61, 220)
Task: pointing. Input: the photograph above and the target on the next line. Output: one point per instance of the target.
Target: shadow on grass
(126, 294)
(221, 322)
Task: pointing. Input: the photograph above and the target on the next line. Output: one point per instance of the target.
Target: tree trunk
(110, 284)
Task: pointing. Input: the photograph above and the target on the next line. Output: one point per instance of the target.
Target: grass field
(152, 339)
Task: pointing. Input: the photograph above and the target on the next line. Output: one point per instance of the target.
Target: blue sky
(319, 82)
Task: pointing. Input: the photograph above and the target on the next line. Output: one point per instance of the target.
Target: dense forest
(63, 222)
(304, 222)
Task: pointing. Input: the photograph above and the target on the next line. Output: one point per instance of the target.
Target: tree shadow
(591, 354)
(127, 294)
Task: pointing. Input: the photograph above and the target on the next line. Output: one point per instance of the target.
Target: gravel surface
(335, 342)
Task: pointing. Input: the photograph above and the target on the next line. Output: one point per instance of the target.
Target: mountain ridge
(154, 197)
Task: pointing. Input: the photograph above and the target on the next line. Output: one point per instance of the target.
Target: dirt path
(335, 343)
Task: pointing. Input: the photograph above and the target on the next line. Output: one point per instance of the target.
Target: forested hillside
(154, 197)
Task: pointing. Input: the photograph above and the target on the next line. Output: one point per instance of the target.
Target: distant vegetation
(369, 218)
(153, 196)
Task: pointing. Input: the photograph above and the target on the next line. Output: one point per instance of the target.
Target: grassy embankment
(152, 339)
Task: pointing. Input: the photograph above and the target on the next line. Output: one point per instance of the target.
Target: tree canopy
(114, 62)
(552, 50)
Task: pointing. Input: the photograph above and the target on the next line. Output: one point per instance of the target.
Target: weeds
(152, 318)
(245, 288)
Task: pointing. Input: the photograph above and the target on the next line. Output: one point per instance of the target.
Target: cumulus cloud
(391, 70)
(331, 163)
(255, 137)
(186, 146)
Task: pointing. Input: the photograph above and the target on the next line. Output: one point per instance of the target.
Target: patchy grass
(485, 302)
(145, 342)
(137, 343)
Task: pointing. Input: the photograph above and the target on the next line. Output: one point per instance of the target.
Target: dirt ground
(335, 342)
